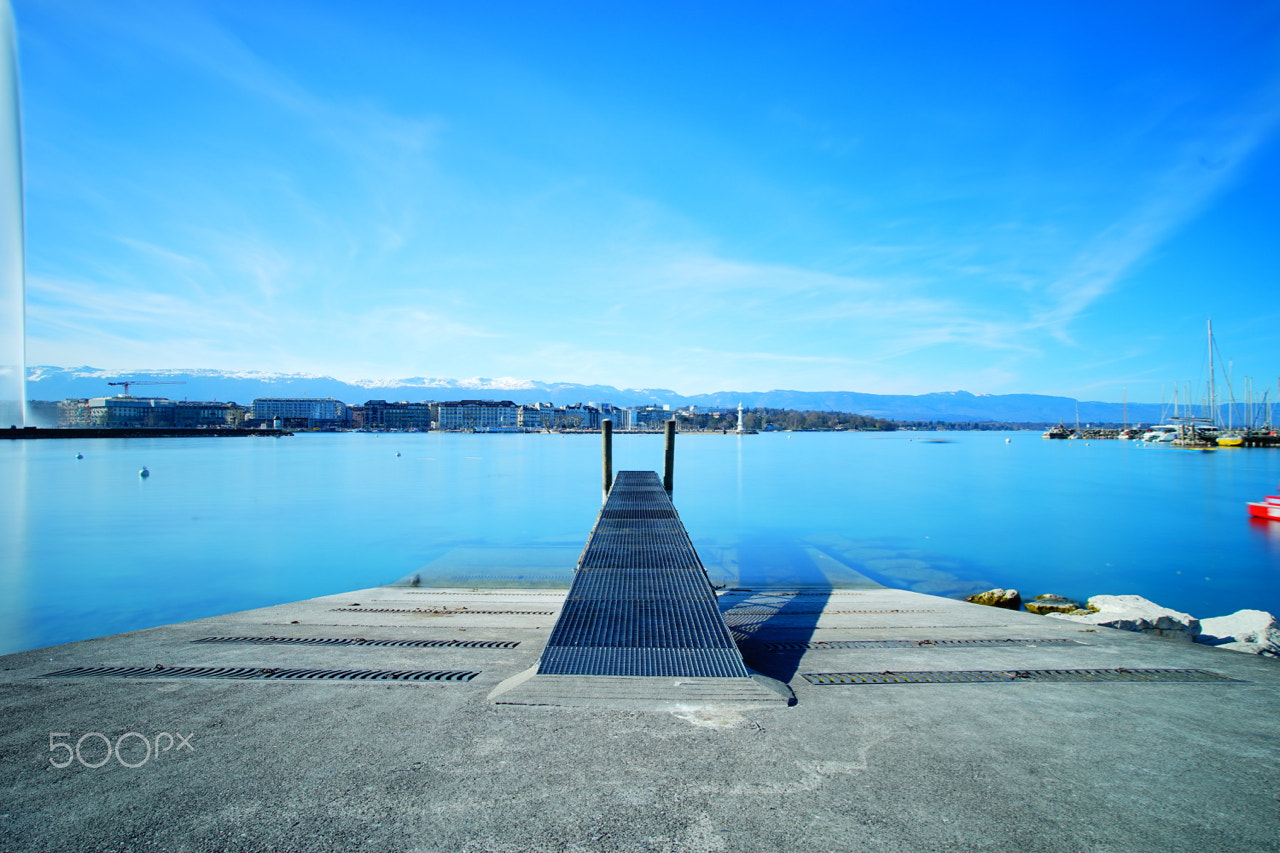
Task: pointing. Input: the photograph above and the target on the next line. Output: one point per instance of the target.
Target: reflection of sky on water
(231, 524)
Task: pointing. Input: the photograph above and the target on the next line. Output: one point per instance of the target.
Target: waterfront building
(73, 413)
(609, 411)
(123, 412)
(379, 414)
(478, 414)
(194, 415)
(302, 412)
(648, 417)
(579, 416)
(537, 416)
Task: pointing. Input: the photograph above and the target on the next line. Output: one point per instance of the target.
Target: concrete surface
(373, 766)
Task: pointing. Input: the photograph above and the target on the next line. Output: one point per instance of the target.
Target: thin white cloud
(84, 321)
(1174, 198)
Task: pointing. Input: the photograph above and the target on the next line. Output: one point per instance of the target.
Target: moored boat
(1268, 508)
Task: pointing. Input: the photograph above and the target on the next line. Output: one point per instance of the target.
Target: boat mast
(1247, 420)
(1213, 400)
(1231, 398)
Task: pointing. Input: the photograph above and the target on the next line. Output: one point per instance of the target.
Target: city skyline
(866, 197)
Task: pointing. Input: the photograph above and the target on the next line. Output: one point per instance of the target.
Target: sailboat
(1201, 432)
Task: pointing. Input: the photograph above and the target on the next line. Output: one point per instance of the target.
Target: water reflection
(226, 525)
(758, 619)
(15, 610)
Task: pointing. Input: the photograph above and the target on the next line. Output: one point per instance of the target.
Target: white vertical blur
(12, 266)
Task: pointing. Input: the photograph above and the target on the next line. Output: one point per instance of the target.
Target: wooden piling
(606, 434)
(669, 456)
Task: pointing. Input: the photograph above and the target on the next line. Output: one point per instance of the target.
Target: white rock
(1135, 613)
(1252, 631)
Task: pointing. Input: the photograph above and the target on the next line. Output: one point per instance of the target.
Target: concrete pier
(374, 763)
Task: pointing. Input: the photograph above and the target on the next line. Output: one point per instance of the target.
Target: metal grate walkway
(1007, 676)
(256, 673)
(641, 604)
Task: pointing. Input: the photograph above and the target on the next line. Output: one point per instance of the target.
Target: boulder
(1053, 604)
(1135, 613)
(1252, 631)
(1009, 599)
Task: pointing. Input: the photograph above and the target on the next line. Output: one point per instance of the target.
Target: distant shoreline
(127, 432)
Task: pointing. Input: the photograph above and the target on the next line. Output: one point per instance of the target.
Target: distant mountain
(57, 383)
(948, 406)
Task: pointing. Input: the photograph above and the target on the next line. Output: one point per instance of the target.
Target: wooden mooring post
(669, 456)
(606, 434)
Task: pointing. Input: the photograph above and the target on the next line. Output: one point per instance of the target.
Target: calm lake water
(89, 548)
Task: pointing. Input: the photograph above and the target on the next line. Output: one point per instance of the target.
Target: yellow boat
(1230, 441)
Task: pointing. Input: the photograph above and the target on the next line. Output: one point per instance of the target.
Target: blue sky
(883, 197)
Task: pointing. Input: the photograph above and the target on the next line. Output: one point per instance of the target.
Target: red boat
(1269, 508)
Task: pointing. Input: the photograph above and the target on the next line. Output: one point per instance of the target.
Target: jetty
(412, 718)
(640, 625)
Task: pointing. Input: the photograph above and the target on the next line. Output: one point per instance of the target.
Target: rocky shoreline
(1252, 631)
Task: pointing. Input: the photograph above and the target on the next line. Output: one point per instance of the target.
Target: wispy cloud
(1203, 167)
(316, 192)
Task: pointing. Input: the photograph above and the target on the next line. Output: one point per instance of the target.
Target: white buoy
(79, 455)
(397, 453)
(1007, 440)
(144, 473)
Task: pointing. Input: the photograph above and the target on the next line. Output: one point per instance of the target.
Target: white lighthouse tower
(739, 417)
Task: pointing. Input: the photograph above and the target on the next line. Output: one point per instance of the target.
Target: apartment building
(129, 412)
(302, 412)
(379, 414)
(123, 412)
(478, 414)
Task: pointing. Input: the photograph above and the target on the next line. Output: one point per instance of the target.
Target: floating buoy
(1007, 440)
(144, 473)
(79, 455)
(397, 453)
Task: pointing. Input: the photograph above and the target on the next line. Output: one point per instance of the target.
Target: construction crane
(141, 382)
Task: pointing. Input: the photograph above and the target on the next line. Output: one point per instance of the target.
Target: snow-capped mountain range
(57, 383)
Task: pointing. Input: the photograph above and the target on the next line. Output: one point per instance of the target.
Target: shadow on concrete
(760, 617)
(782, 587)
